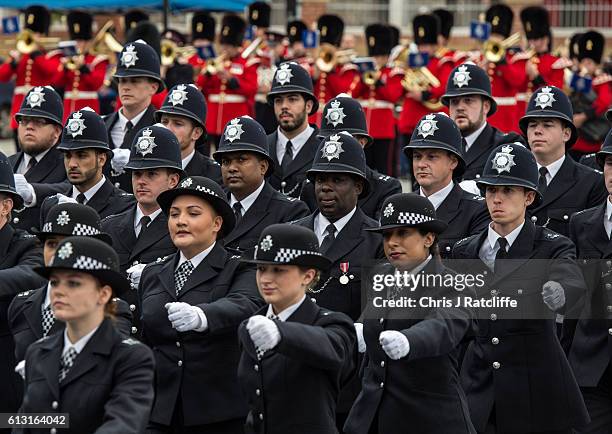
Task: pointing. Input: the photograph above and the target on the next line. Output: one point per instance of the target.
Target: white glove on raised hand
(120, 159)
(183, 316)
(394, 344)
(20, 369)
(553, 295)
(24, 188)
(470, 186)
(264, 332)
(361, 345)
(64, 199)
(134, 273)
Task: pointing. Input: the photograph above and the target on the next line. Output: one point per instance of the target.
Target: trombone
(28, 42)
(104, 43)
(329, 57)
(495, 51)
(170, 51)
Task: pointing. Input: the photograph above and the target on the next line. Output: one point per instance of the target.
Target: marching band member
(178, 70)
(91, 371)
(132, 17)
(231, 85)
(411, 362)
(292, 340)
(296, 50)
(202, 35)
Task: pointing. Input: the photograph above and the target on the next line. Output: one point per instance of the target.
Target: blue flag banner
(581, 84)
(206, 52)
(10, 25)
(249, 34)
(364, 64)
(310, 38)
(480, 30)
(417, 60)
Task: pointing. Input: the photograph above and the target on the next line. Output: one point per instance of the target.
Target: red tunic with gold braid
(602, 87)
(81, 87)
(231, 98)
(28, 73)
(341, 79)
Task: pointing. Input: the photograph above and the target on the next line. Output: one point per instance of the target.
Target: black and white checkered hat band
(411, 218)
(79, 229)
(206, 190)
(286, 255)
(87, 263)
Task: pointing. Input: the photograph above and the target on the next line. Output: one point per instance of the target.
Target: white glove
(64, 199)
(553, 295)
(134, 273)
(361, 345)
(20, 369)
(24, 188)
(183, 316)
(470, 186)
(394, 344)
(120, 159)
(264, 332)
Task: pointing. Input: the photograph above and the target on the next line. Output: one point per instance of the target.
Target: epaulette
(108, 217)
(523, 55)
(550, 235)
(461, 241)
(24, 293)
(441, 52)
(459, 55)
(130, 341)
(252, 61)
(601, 79)
(27, 236)
(396, 71)
(99, 58)
(581, 211)
(445, 59)
(562, 63)
(477, 198)
(235, 257)
(348, 67)
(126, 194)
(384, 178)
(53, 53)
(162, 259)
(291, 199)
(116, 300)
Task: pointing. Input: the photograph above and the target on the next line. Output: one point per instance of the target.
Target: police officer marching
(435, 151)
(245, 163)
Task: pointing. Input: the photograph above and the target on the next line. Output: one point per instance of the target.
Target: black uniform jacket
(19, 252)
(574, 188)
(422, 390)
(201, 165)
(108, 200)
(25, 319)
(591, 346)
(354, 247)
(269, 208)
(295, 386)
(47, 177)
(290, 183)
(124, 180)
(199, 366)
(381, 187)
(518, 364)
(109, 389)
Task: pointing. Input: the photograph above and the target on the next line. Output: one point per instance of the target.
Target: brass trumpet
(170, 52)
(371, 77)
(329, 57)
(495, 51)
(215, 65)
(27, 42)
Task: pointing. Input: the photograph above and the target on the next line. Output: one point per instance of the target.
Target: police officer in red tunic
(230, 87)
(33, 68)
(82, 75)
(378, 94)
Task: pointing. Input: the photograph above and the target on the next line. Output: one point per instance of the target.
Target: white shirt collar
(185, 161)
(139, 214)
(78, 345)
(89, 193)
(249, 200)
(123, 120)
(287, 312)
(23, 166)
(197, 259)
(439, 196)
(297, 143)
(321, 224)
(47, 301)
(553, 168)
(469, 140)
(511, 237)
(608, 208)
(608, 214)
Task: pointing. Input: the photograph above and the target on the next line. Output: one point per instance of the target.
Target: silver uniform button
(314, 300)
(610, 309)
(477, 175)
(178, 344)
(382, 364)
(494, 292)
(496, 365)
(283, 184)
(117, 184)
(493, 317)
(382, 384)
(54, 405)
(52, 431)
(257, 392)
(16, 220)
(180, 363)
(132, 307)
(610, 332)
(608, 286)
(608, 263)
(134, 330)
(534, 219)
(448, 249)
(382, 320)
(495, 341)
(260, 416)
(256, 367)
(565, 217)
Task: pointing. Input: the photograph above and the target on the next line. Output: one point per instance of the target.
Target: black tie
(238, 211)
(128, 126)
(144, 224)
(31, 164)
(502, 253)
(329, 238)
(288, 157)
(542, 185)
(81, 198)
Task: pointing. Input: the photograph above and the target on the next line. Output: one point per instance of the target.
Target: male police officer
(245, 162)
(344, 113)
(565, 185)
(437, 161)
(86, 151)
(468, 98)
(38, 167)
(138, 80)
(293, 145)
(184, 113)
(515, 371)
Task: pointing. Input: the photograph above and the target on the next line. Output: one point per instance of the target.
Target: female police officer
(192, 304)
(292, 341)
(411, 376)
(90, 371)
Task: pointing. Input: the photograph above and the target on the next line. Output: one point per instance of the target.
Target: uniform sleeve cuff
(203, 321)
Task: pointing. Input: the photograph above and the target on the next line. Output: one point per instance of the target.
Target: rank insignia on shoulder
(384, 177)
(552, 235)
(461, 241)
(24, 293)
(291, 199)
(479, 198)
(235, 257)
(162, 259)
(130, 341)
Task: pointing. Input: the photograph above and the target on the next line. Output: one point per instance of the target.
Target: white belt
(79, 94)
(226, 98)
(505, 100)
(376, 104)
(261, 97)
(521, 97)
(22, 90)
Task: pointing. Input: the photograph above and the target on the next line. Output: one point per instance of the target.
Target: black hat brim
(335, 168)
(222, 208)
(18, 203)
(600, 157)
(141, 73)
(294, 89)
(469, 91)
(609, 115)
(427, 144)
(107, 277)
(75, 145)
(483, 182)
(319, 262)
(524, 122)
(245, 147)
(178, 112)
(435, 226)
(42, 236)
(38, 114)
(154, 163)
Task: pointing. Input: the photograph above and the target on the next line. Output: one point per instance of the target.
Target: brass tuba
(495, 51)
